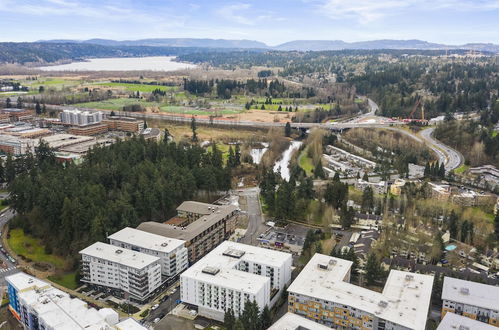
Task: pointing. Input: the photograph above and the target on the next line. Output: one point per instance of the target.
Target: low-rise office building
(171, 251)
(470, 299)
(88, 129)
(17, 146)
(322, 293)
(16, 114)
(39, 306)
(126, 124)
(453, 321)
(232, 274)
(377, 187)
(124, 273)
(202, 226)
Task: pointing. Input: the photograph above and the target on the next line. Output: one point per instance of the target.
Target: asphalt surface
(451, 158)
(8, 267)
(256, 224)
(164, 308)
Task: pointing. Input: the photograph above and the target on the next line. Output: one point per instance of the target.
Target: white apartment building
(322, 293)
(172, 252)
(80, 118)
(39, 306)
(453, 321)
(232, 274)
(470, 299)
(377, 187)
(124, 272)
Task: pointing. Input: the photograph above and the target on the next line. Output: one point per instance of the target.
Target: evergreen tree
(249, 316)
(38, 108)
(287, 129)
(265, 318)
(44, 109)
(194, 128)
(319, 171)
(19, 102)
(237, 155)
(145, 124)
(373, 270)
(365, 177)
(367, 199)
(336, 177)
(8, 103)
(166, 135)
(231, 159)
(229, 319)
(453, 224)
(496, 224)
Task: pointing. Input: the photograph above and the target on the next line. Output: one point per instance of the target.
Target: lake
(154, 63)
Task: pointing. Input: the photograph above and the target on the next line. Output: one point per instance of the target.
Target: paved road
(164, 308)
(10, 267)
(451, 158)
(253, 211)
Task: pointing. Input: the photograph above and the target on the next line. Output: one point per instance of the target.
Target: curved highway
(451, 158)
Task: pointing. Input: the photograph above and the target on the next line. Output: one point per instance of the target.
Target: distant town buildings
(233, 274)
(16, 114)
(377, 187)
(396, 187)
(39, 306)
(322, 293)
(202, 226)
(123, 272)
(470, 299)
(126, 124)
(172, 252)
(80, 118)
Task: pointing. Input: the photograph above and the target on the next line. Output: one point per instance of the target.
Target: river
(153, 63)
(257, 153)
(282, 165)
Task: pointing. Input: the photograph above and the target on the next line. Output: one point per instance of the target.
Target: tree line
(70, 206)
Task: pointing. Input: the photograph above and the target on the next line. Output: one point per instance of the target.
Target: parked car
(154, 307)
(156, 320)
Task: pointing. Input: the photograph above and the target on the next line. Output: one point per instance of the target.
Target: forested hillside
(118, 186)
(38, 52)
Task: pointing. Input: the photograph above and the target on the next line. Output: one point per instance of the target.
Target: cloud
(366, 11)
(233, 13)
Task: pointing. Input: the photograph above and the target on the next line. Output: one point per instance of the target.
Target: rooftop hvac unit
(383, 304)
(465, 291)
(119, 251)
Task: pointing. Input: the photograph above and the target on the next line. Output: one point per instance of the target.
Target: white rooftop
(147, 240)
(22, 281)
(453, 321)
(223, 266)
(292, 321)
(119, 255)
(130, 324)
(471, 293)
(405, 298)
(57, 309)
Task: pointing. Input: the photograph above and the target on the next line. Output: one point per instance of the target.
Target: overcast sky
(270, 21)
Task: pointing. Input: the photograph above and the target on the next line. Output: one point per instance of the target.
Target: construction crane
(411, 115)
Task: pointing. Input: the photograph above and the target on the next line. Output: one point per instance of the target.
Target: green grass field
(67, 280)
(306, 163)
(461, 169)
(32, 248)
(138, 87)
(116, 104)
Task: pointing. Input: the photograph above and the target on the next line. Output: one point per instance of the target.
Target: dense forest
(122, 185)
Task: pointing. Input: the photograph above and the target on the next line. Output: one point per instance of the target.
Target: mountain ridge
(294, 45)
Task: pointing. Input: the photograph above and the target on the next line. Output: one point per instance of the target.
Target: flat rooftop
(453, 321)
(57, 141)
(193, 229)
(405, 298)
(84, 147)
(147, 240)
(219, 266)
(22, 281)
(197, 207)
(118, 255)
(291, 321)
(471, 293)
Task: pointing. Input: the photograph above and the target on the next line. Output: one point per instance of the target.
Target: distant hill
(296, 45)
(170, 42)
